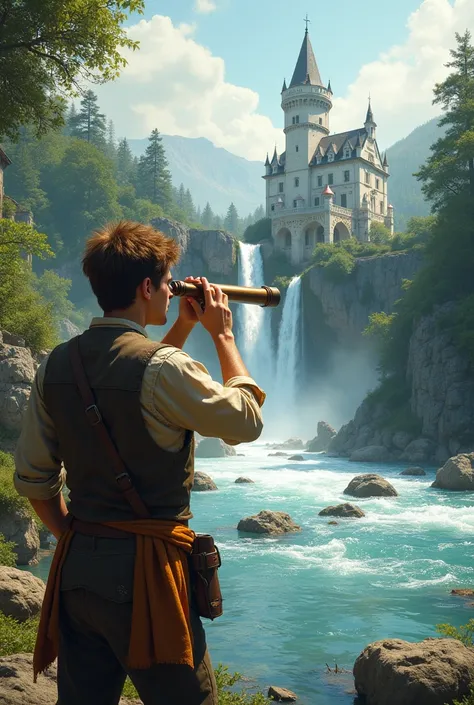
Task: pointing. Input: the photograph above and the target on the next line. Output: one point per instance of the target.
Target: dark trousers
(95, 629)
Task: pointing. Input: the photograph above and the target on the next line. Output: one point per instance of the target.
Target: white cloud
(205, 6)
(401, 81)
(177, 85)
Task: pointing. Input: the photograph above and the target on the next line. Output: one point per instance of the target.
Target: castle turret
(370, 124)
(268, 168)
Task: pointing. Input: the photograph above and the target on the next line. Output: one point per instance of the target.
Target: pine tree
(231, 222)
(449, 172)
(154, 178)
(217, 222)
(181, 193)
(259, 214)
(70, 118)
(89, 124)
(189, 208)
(125, 163)
(111, 146)
(207, 217)
(198, 215)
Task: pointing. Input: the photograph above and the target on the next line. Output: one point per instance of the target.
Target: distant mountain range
(213, 174)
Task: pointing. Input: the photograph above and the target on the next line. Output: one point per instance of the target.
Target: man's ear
(145, 289)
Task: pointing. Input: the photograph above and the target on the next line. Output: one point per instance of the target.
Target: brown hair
(119, 256)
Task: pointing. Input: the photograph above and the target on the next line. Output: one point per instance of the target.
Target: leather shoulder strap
(94, 417)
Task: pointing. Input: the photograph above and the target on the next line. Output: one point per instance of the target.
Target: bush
(465, 634)
(17, 637)
(261, 230)
(7, 554)
(9, 498)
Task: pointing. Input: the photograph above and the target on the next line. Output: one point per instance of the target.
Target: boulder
(244, 481)
(21, 593)
(17, 687)
(371, 454)
(456, 474)
(345, 511)
(290, 444)
(281, 695)
(68, 329)
(17, 372)
(463, 592)
(420, 451)
(401, 439)
(18, 526)
(370, 485)
(296, 457)
(203, 482)
(268, 522)
(430, 672)
(279, 454)
(214, 448)
(325, 434)
(415, 471)
(333, 523)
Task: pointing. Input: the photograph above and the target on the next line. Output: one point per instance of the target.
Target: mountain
(405, 158)
(211, 173)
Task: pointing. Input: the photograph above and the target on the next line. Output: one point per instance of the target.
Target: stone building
(324, 187)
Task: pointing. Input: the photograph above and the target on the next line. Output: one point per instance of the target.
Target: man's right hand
(216, 316)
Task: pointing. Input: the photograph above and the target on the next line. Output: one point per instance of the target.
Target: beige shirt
(177, 394)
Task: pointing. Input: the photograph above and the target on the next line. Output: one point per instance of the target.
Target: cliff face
(374, 285)
(441, 381)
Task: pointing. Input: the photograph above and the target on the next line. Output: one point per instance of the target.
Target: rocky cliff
(441, 383)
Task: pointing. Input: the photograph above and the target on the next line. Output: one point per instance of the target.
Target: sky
(215, 68)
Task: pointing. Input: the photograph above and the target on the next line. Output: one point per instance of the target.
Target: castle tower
(306, 103)
(370, 124)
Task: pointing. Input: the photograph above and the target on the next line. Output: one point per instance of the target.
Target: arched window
(288, 240)
(320, 234)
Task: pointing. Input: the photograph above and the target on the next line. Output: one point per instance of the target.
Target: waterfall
(254, 322)
(289, 352)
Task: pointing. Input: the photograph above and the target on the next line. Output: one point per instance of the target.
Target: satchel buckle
(124, 476)
(206, 561)
(96, 418)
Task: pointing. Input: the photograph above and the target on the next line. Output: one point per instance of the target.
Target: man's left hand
(186, 311)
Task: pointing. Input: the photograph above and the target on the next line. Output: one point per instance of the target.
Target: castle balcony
(278, 212)
(340, 210)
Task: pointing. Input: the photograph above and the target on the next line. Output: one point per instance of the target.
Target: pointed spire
(358, 143)
(267, 161)
(306, 66)
(284, 85)
(385, 160)
(370, 115)
(329, 86)
(275, 157)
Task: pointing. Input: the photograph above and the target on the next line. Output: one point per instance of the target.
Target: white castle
(323, 188)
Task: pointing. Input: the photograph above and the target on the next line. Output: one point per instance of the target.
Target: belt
(94, 529)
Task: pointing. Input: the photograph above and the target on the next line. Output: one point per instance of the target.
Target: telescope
(261, 296)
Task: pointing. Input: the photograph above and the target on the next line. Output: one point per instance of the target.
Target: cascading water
(289, 353)
(254, 322)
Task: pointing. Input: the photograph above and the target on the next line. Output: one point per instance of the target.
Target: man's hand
(187, 313)
(217, 316)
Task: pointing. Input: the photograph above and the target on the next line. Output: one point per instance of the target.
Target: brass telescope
(261, 296)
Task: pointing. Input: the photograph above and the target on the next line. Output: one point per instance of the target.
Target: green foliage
(51, 47)
(394, 394)
(379, 234)
(467, 700)
(464, 633)
(153, 177)
(17, 637)
(8, 208)
(89, 123)
(232, 221)
(335, 259)
(261, 230)
(10, 500)
(7, 554)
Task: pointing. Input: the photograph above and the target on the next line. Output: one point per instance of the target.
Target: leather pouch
(204, 561)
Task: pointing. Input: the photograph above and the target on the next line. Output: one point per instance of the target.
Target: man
(152, 397)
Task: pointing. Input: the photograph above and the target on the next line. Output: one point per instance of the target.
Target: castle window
(297, 181)
(280, 187)
(344, 200)
(367, 178)
(297, 119)
(307, 240)
(347, 176)
(320, 121)
(330, 179)
(318, 159)
(320, 180)
(317, 201)
(297, 148)
(288, 240)
(331, 157)
(294, 203)
(347, 154)
(381, 207)
(293, 120)
(273, 206)
(377, 184)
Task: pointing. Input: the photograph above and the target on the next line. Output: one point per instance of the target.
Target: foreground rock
(279, 454)
(371, 454)
(268, 522)
(415, 472)
(214, 448)
(431, 672)
(290, 444)
(323, 438)
(296, 457)
(370, 485)
(456, 474)
(344, 511)
(17, 687)
(281, 695)
(203, 482)
(18, 526)
(17, 372)
(244, 481)
(21, 593)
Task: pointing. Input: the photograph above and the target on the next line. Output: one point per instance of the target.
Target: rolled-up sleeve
(38, 469)
(187, 397)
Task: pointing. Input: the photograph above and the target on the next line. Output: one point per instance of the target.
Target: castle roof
(4, 159)
(337, 143)
(370, 114)
(284, 85)
(328, 191)
(306, 69)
